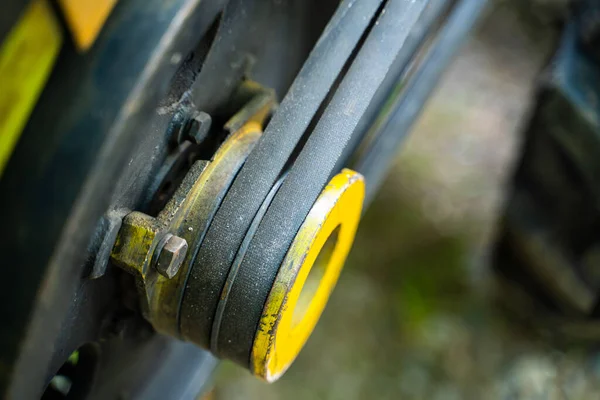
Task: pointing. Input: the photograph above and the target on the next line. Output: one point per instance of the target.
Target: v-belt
(259, 259)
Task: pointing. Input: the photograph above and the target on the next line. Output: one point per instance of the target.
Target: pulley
(307, 275)
(161, 252)
(251, 233)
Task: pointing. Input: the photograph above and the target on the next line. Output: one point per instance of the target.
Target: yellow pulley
(307, 275)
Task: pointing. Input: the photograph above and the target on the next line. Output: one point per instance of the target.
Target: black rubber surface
(423, 31)
(235, 267)
(265, 164)
(309, 174)
(379, 155)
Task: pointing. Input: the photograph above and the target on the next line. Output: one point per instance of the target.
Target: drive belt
(309, 173)
(242, 250)
(307, 176)
(266, 163)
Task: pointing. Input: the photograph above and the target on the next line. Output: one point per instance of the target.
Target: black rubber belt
(384, 146)
(424, 30)
(265, 164)
(216, 328)
(309, 174)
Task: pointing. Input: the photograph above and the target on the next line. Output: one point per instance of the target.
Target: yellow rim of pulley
(282, 334)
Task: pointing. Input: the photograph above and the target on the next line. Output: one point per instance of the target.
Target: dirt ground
(410, 318)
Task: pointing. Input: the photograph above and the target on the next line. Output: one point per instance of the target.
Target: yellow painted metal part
(188, 214)
(26, 59)
(282, 332)
(86, 18)
(183, 216)
(195, 206)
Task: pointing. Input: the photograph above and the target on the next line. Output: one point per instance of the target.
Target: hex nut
(171, 255)
(199, 127)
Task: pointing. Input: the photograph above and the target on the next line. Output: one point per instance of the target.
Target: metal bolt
(184, 127)
(199, 127)
(171, 252)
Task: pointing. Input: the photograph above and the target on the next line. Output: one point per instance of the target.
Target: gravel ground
(410, 318)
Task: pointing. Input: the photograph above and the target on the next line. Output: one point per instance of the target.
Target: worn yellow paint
(281, 334)
(196, 205)
(135, 241)
(26, 59)
(237, 144)
(184, 215)
(86, 18)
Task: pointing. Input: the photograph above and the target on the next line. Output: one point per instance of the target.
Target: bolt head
(199, 127)
(171, 256)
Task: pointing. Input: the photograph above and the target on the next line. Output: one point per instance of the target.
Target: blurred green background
(411, 316)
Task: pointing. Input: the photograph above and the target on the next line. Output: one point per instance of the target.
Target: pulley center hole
(315, 276)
